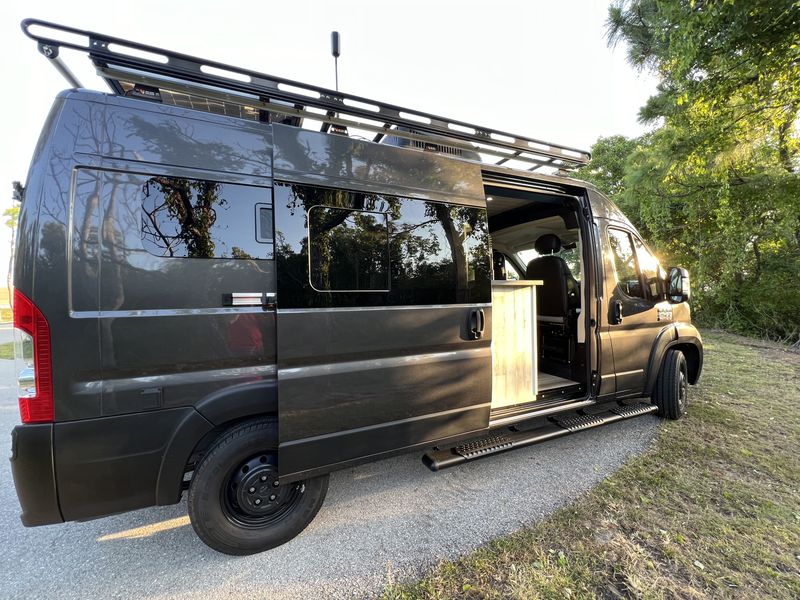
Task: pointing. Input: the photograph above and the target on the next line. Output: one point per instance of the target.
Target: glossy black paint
(113, 464)
(34, 474)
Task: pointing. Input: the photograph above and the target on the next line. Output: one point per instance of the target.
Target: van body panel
(60, 228)
(112, 464)
(166, 334)
(34, 474)
(639, 340)
(124, 301)
(381, 359)
(419, 365)
(168, 135)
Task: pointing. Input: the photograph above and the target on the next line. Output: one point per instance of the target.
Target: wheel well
(213, 434)
(692, 355)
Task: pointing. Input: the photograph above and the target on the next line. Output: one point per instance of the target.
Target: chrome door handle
(263, 299)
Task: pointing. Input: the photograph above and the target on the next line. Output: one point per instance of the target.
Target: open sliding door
(384, 299)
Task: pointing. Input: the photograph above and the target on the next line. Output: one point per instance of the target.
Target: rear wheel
(237, 504)
(670, 394)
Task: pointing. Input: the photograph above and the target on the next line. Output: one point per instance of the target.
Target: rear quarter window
(200, 218)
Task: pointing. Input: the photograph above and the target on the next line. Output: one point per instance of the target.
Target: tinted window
(198, 218)
(349, 250)
(438, 253)
(264, 233)
(625, 263)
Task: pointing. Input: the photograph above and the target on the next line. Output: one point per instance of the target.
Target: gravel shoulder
(381, 522)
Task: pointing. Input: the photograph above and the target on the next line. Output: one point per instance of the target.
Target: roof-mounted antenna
(335, 50)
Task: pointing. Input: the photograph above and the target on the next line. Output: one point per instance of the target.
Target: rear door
(384, 315)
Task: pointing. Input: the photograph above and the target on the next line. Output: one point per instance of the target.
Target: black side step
(510, 438)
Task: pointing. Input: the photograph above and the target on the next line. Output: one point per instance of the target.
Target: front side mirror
(678, 285)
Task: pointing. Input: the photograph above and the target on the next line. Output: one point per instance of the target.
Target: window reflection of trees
(178, 215)
(351, 255)
(438, 252)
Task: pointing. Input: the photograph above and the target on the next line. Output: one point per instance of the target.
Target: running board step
(511, 438)
(489, 445)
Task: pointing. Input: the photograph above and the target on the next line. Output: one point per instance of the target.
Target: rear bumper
(34, 474)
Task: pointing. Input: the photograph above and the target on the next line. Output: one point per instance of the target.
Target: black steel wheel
(671, 391)
(238, 505)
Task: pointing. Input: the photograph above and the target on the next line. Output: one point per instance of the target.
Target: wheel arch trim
(680, 336)
(213, 413)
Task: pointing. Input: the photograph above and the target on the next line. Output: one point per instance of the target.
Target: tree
(12, 217)
(607, 172)
(717, 183)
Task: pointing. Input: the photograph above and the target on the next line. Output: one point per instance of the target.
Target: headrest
(549, 243)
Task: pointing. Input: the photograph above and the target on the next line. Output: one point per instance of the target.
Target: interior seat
(557, 301)
(560, 293)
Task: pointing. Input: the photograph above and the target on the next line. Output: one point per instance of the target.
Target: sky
(536, 68)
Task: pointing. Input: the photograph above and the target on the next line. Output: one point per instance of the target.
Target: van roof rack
(148, 72)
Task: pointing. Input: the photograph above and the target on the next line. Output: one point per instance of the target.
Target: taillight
(33, 361)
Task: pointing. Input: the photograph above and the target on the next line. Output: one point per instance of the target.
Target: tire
(235, 503)
(670, 393)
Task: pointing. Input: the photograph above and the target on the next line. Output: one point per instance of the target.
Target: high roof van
(229, 284)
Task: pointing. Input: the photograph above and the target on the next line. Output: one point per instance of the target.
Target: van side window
(349, 250)
(625, 266)
(264, 227)
(648, 265)
(511, 271)
(377, 249)
(199, 218)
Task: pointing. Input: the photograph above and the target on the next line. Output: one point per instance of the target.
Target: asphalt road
(382, 521)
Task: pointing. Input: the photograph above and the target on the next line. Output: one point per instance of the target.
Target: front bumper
(34, 475)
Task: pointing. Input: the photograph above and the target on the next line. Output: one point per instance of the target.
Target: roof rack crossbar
(115, 57)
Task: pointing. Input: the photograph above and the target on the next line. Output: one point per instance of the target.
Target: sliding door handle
(477, 323)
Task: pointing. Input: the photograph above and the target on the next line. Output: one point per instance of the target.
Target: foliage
(12, 216)
(716, 186)
(606, 172)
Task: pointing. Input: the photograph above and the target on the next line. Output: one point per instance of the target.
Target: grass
(7, 350)
(712, 510)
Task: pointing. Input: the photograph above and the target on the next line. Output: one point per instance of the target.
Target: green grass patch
(7, 350)
(711, 510)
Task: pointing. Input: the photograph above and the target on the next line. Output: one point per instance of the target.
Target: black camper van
(230, 284)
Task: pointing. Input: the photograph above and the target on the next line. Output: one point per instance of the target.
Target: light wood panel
(514, 364)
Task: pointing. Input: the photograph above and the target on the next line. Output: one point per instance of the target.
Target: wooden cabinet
(514, 352)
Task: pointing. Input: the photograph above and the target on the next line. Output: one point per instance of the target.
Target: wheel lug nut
(275, 483)
(263, 478)
(272, 497)
(252, 490)
(258, 501)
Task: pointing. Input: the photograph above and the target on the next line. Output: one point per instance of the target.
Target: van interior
(537, 236)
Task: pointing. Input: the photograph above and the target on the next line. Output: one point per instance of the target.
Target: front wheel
(670, 394)
(237, 504)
